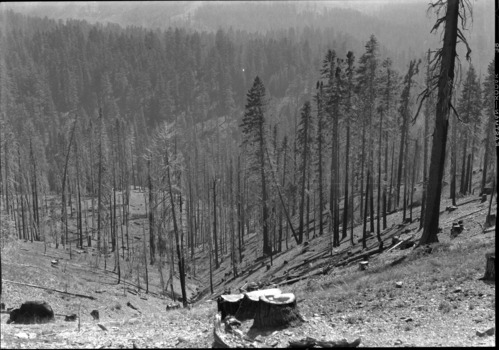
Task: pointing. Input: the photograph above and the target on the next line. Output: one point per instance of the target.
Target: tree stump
(229, 304)
(32, 312)
(363, 265)
(395, 240)
(456, 230)
(277, 311)
(95, 314)
(70, 318)
(249, 303)
(490, 270)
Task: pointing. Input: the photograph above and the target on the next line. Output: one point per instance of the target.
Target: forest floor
(440, 299)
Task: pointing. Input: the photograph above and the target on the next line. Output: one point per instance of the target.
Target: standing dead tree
(63, 199)
(444, 58)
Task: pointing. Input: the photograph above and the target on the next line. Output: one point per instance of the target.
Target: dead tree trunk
(453, 166)
(490, 269)
(445, 84)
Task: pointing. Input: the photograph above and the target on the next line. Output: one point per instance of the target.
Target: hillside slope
(441, 302)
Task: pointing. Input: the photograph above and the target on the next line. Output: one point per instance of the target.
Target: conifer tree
(319, 97)
(468, 109)
(404, 111)
(253, 129)
(489, 106)
(367, 72)
(304, 140)
(349, 93)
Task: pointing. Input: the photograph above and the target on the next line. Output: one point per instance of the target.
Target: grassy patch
(443, 265)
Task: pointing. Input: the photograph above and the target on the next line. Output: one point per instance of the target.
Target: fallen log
(463, 216)
(129, 304)
(321, 271)
(304, 263)
(359, 257)
(401, 243)
(291, 280)
(395, 246)
(311, 343)
(51, 289)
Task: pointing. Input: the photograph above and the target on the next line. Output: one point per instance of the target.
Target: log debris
(309, 342)
(52, 289)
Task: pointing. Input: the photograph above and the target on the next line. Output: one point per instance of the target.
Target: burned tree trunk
(490, 269)
(277, 311)
(445, 85)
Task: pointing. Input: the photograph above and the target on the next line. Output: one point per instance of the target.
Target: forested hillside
(247, 128)
(401, 26)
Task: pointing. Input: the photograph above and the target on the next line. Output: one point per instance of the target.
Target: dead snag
(229, 304)
(277, 311)
(490, 270)
(249, 303)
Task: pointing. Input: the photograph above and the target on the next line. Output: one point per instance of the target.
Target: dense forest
(227, 131)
